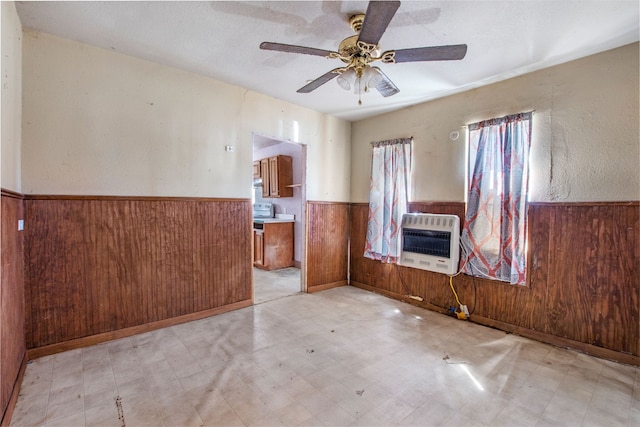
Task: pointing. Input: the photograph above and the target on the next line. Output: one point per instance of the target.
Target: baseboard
(589, 349)
(11, 405)
(592, 350)
(35, 353)
(324, 287)
(404, 298)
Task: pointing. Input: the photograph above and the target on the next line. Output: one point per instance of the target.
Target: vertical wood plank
(538, 262)
(327, 245)
(12, 309)
(583, 274)
(101, 264)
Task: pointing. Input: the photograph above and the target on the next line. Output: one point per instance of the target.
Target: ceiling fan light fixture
(347, 79)
(364, 79)
(372, 76)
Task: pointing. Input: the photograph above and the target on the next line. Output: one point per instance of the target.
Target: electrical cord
(465, 257)
(464, 313)
(404, 287)
(473, 277)
(454, 291)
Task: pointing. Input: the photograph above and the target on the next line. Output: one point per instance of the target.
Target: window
(495, 228)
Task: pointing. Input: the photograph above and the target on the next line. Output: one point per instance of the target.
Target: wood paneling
(389, 277)
(327, 245)
(12, 337)
(447, 208)
(101, 264)
(47, 350)
(5, 420)
(583, 277)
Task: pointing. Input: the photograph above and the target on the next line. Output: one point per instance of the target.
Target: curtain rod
(391, 141)
(530, 111)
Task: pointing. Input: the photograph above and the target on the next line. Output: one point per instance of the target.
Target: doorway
(270, 282)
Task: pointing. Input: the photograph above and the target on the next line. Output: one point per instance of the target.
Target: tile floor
(339, 357)
(274, 284)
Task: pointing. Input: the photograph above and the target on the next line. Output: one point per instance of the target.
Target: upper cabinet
(256, 169)
(277, 176)
(264, 174)
(280, 176)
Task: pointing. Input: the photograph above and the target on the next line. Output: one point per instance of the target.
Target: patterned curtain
(495, 226)
(388, 198)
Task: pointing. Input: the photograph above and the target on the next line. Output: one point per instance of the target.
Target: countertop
(271, 220)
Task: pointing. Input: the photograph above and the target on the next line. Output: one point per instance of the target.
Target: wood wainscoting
(12, 339)
(95, 265)
(583, 280)
(327, 256)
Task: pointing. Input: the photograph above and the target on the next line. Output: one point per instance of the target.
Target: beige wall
(98, 122)
(585, 143)
(11, 63)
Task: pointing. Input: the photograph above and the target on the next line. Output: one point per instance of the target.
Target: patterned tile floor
(270, 285)
(339, 357)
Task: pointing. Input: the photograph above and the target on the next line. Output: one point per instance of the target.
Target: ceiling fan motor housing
(348, 47)
(350, 50)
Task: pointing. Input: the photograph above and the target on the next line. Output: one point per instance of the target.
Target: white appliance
(431, 242)
(263, 210)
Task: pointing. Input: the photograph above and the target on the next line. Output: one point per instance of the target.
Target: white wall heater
(431, 242)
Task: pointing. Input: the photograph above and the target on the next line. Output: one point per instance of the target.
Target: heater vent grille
(431, 242)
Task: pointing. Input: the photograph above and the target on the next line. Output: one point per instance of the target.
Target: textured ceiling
(221, 40)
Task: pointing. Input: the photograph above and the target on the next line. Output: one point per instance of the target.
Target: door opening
(279, 223)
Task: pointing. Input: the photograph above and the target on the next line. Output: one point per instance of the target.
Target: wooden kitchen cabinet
(280, 176)
(264, 174)
(256, 169)
(258, 247)
(273, 246)
(277, 176)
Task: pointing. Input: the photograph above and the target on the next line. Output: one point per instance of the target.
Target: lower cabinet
(258, 248)
(273, 246)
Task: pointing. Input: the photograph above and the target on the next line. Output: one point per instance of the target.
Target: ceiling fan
(359, 51)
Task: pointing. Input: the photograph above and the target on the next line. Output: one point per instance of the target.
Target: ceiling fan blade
(433, 53)
(319, 81)
(291, 48)
(376, 20)
(386, 86)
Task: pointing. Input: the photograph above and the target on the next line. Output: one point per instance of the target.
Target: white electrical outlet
(20, 224)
